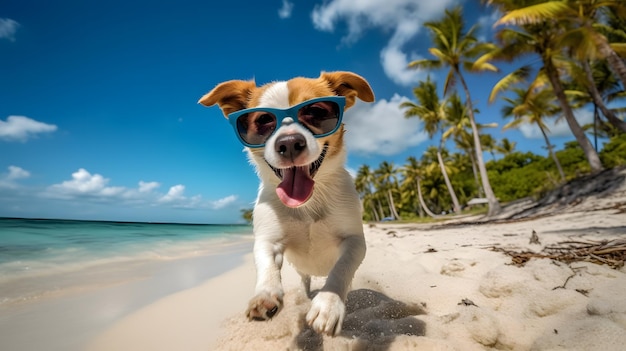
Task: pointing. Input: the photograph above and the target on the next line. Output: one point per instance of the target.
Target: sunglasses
(321, 116)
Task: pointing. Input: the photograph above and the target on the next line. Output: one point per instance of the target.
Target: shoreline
(96, 299)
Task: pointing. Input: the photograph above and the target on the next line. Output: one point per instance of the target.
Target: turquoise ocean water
(31, 250)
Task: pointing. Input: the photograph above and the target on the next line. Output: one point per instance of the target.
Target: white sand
(420, 288)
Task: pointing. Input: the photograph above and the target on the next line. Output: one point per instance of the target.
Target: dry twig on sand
(611, 252)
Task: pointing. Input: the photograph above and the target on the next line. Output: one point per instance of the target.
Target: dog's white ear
(230, 96)
(350, 85)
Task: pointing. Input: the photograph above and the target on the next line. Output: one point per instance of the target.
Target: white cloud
(558, 127)
(223, 202)
(403, 18)
(285, 11)
(8, 27)
(381, 128)
(8, 180)
(16, 172)
(395, 63)
(20, 128)
(85, 186)
(84, 183)
(146, 187)
(176, 193)
(175, 197)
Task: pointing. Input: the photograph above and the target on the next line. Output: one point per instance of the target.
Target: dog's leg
(268, 301)
(327, 308)
(306, 282)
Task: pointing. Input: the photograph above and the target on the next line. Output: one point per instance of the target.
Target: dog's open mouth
(296, 186)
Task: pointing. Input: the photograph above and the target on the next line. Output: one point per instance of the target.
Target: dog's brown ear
(230, 96)
(350, 85)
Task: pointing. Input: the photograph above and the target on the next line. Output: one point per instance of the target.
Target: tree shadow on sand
(373, 320)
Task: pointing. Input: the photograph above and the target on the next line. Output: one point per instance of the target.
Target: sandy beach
(463, 284)
(448, 286)
(79, 305)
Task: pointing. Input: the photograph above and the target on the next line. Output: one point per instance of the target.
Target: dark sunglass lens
(320, 117)
(256, 127)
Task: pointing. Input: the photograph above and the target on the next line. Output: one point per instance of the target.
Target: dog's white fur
(323, 237)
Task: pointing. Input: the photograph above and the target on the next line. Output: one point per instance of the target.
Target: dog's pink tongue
(296, 187)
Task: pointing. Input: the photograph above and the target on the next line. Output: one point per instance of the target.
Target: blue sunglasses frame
(292, 112)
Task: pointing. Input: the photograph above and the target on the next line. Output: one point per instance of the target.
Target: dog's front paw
(326, 313)
(265, 305)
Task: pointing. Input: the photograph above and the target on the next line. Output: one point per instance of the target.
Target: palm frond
(582, 42)
(449, 83)
(479, 49)
(485, 66)
(485, 58)
(519, 75)
(427, 64)
(442, 57)
(513, 124)
(576, 93)
(620, 49)
(534, 13)
(440, 38)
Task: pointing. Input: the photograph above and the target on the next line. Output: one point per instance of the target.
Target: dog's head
(292, 128)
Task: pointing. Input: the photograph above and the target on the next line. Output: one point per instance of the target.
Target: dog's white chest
(314, 252)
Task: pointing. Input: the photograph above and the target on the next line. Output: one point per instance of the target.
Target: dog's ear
(350, 85)
(230, 96)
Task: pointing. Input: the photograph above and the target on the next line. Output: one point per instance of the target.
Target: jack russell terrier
(307, 208)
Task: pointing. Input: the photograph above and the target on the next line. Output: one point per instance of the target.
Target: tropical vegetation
(580, 51)
(578, 60)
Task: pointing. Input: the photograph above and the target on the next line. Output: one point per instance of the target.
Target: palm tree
(459, 128)
(544, 38)
(584, 39)
(455, 48)
(246, 214)
(364, 181)
(386, 175)
(506, 147)
(413, 174)
(591, 83)
(583, 27)
(434, 187)
(430, 110)
(531, 106)
(489, 144)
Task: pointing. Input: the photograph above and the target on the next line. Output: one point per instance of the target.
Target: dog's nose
(290, 146)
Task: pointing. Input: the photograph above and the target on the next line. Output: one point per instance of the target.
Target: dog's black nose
(290, 146)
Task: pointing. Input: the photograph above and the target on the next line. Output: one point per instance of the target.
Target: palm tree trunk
(552, 154)
(597, 99)
(579, 133)
(455, 200)
(421, 198)
(392, 205)
(375, 214)
(614, 60)
(475, 171)
(596, 117)
(494, 205)
(380, 209)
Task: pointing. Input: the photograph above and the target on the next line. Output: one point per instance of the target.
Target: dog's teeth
(316, 165)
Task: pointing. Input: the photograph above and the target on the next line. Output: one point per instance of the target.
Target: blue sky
(98, 112)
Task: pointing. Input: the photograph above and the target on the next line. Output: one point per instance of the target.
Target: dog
(307, 209)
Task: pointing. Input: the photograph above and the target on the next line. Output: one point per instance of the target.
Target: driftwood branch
(611, 253)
